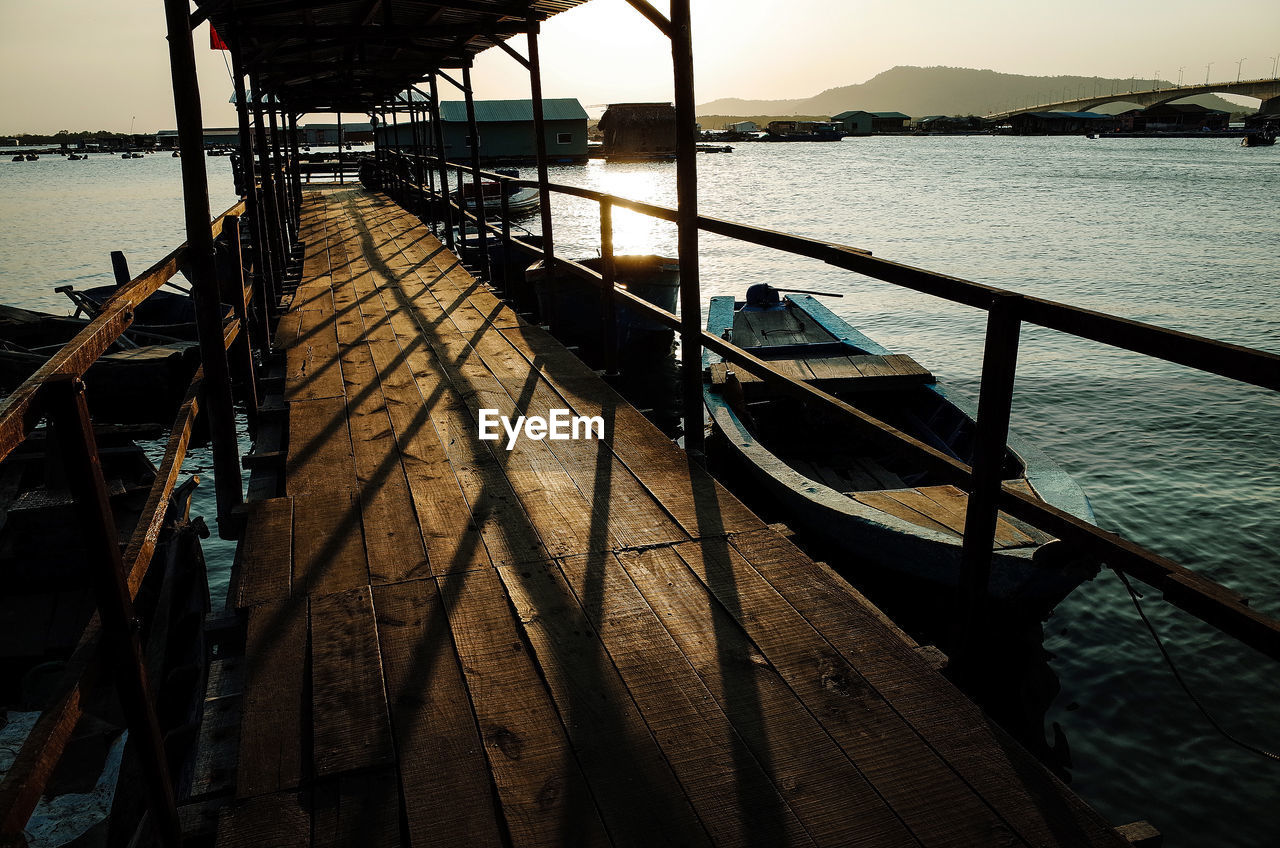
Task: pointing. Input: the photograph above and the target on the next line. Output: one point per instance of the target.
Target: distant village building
(639, 129)
(889, 122)
(213, 137)
(744, 127)
(507, 130)
(859, 122)
(951, 124)
(855, 122)
(1060, 123)
(354, 132)
(1173, 117)
(804, 131)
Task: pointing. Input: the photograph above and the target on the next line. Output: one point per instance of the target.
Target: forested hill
(946, 91)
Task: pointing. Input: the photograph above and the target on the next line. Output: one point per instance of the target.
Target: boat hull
(1026, 582)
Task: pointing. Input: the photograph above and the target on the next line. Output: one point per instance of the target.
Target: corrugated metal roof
(891, 115)
(353, 55)
(494, 111)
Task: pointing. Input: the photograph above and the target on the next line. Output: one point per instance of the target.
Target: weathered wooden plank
(726, 782)
(280, 819)
(356, 811)
(545, 798)
(639, 797)
(444, 775)
(1018, 789)
(782, 732)
(313, 369)
(271, 751)
(351, 726)
(320, 458)
(621, 508)
(328, 543)
(886, 749)
(700, 505)
(494, 506)
(265, 568)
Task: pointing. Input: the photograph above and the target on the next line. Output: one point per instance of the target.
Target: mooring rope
(1134, 596)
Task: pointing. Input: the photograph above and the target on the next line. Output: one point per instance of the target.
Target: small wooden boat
(32, 157)
(17, 158)
(874, 501)
(48, 600)
(129, 384)
(520, 201)
(1262, 138)
(574, 308)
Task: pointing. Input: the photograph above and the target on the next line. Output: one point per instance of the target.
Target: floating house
(1060, 123)
(854, 122)
(354, 132)
(744, 127)
(213, 137)
(1173, 117)
(642, 130)
(507, 133)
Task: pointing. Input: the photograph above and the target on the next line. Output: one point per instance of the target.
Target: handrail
(21, 411)
(1198, 595)
(1247, 365)
(43, 747)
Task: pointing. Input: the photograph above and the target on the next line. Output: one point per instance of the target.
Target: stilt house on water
(639, 130)
(431, 639)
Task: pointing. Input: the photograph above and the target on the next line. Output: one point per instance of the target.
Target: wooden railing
(1203, 598)
(110, 645)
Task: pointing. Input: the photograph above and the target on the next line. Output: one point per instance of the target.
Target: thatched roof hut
(639, 129)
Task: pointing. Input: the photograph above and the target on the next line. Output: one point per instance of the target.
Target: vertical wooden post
(342, 174)
(250, 336)
(540, 143)
(506, 241)
(995, 400)
(120, 267)
(473, 127)
(271, 213)
(283, 194)
(687, 226)
(199, 265)
(607, 296)
(264, 279)
(296, 172)
(73, 431)
(444, 171)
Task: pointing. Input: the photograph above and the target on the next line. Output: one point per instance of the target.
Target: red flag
(215, 41)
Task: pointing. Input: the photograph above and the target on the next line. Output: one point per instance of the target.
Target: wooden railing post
(608, 301)
(74, 434)
(687, 226)
(506, 241)
(473, 127)
(438, 134)
(233, 292)
(995, 401)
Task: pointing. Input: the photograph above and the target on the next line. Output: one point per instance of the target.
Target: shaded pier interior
(571, 642)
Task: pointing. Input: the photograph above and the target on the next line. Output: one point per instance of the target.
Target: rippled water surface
(1182, 233)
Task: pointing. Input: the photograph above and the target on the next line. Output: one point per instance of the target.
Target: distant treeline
(66, 136)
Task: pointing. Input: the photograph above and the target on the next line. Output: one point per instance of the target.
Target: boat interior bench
(835, 373)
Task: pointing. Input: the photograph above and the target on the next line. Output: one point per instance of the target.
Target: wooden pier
(571, 642)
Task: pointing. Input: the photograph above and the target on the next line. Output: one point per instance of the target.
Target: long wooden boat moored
(874, 503)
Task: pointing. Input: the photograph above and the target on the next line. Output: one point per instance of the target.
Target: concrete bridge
(1266, 90)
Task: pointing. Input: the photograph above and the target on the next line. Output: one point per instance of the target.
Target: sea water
(1176, 232)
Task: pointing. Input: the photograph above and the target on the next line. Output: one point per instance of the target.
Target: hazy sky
(81, 64)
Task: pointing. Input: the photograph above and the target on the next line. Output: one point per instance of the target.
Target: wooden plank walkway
(568, 643)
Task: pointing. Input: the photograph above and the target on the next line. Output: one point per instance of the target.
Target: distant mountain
(947, 91)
